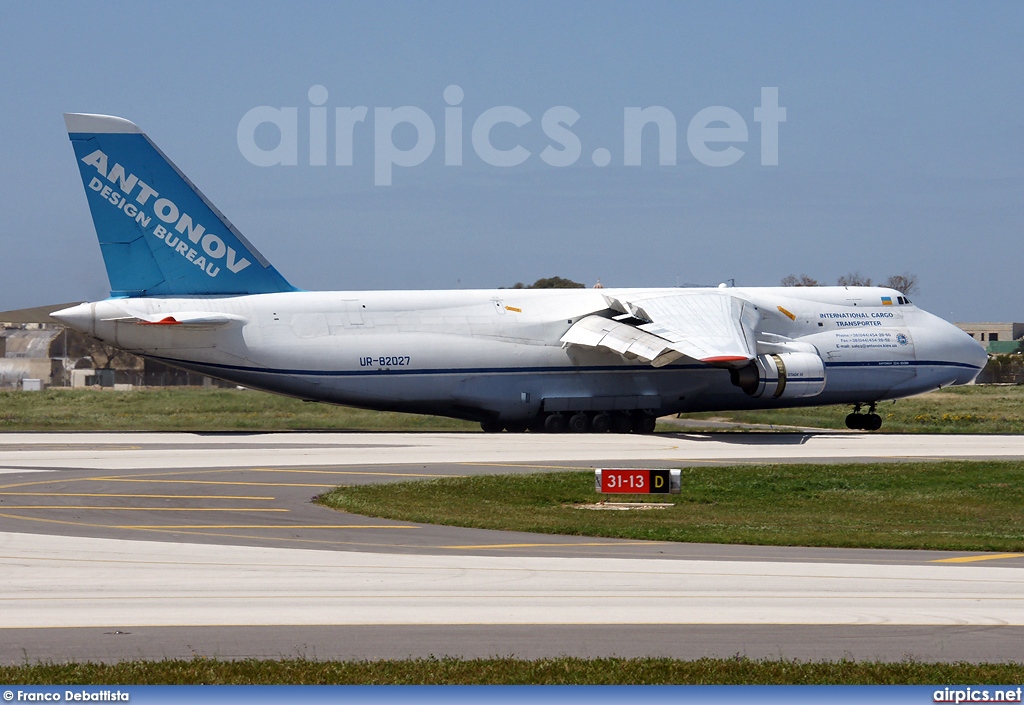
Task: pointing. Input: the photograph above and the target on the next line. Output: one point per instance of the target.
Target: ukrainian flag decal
(887, 301)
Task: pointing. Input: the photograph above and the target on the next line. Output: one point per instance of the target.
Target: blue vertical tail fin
(159, 234)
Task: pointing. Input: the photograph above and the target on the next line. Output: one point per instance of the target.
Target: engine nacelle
(783, 376)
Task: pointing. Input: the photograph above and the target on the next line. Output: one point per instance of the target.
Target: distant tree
(853, 279)
(905, 283)
(550, 283)
(556, 283)
(1003, 369)
(802, 280)
(104, 357)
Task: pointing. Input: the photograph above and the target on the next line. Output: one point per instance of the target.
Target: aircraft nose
(974, 355)
(947, 345)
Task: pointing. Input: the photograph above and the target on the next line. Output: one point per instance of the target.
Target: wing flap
(626, 340)
(588, 332)
(710, 326)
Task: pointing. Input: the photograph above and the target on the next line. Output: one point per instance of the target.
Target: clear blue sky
(902, 150)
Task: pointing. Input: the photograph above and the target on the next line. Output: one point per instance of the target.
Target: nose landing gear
(864, 422)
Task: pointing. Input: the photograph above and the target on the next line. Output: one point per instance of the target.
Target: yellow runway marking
(158, 477)
(147, 509)
(353, 472)
(139, 477)
(133, 496)
(168, 473)
(918, 457)
(523, 465)
(37, 482)
(333, 542)
(535, 545)
(63, 447)
(198, 529)
(158, 481)
(260, 526)
(975, 559)
(712, 461)
(52, 521)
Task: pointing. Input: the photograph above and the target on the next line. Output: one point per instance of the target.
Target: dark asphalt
(272, 507)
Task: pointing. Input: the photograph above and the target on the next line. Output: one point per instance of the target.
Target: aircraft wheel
(621, 423)
(554, 423)
(491, 426)
(600, 423)
(644, 423)
(516, 426)
(578, 423)
(872, 422)
(855, 422)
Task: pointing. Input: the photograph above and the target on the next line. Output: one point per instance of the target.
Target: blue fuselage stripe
(525, 370)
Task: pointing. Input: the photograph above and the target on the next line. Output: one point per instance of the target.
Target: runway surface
(171, 545)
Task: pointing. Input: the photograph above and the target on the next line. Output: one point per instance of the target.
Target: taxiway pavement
(169, 545)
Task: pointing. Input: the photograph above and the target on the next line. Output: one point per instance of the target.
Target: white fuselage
(497, 354)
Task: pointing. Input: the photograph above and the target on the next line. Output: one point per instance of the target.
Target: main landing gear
(864, 422)
(580, 422)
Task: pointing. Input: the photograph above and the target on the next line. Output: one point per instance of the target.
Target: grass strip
(956, 505)
(970, 409)
(191, 409)
(508, 671)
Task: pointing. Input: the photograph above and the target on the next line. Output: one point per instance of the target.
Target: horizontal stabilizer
(38, 314)
(84, 316)
(202, 319)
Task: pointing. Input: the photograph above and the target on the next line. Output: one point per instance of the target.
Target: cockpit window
(902, 300)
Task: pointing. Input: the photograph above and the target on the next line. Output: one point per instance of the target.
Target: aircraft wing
(710, 326)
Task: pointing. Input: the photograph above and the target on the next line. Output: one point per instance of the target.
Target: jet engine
(791, 375)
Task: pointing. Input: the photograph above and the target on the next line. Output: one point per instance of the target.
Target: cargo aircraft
(189, 290)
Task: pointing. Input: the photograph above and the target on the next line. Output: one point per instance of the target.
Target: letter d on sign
(661, 481)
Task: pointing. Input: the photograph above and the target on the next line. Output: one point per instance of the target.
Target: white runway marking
(53, 581)
(120, 451)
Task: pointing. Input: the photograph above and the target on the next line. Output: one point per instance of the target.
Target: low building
(31, 354)
(998, 338)
(64, 358)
